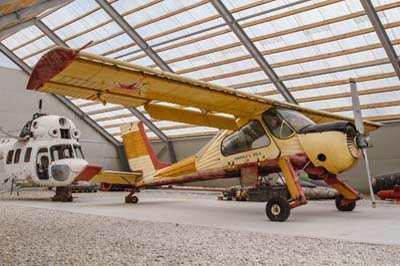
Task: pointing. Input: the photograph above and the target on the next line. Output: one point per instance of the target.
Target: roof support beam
(13, 22)
(134, 111)
(382, 35)
(133, 35)
(252, 49)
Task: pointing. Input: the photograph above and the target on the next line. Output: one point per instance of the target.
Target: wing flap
(190, 117)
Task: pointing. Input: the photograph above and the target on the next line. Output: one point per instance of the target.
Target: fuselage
(46, 153)
(258, 145)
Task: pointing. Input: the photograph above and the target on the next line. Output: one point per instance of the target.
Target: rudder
(138, 149)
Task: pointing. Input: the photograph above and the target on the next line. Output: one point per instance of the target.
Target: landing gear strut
(278, 208)
(63, 194)
(131, 198)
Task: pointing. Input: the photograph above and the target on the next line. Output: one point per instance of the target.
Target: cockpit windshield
(284, 122)
(59, 152)
(297, 120)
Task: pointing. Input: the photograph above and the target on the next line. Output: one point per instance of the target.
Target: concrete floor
(316, 220)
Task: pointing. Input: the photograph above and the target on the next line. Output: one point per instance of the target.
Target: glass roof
(314, 47)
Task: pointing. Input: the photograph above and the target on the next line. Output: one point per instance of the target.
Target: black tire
(277, 209)
(135, 199)
(344, 208)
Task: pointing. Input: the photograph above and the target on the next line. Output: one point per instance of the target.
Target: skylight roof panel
(240, 79)
(22, 36)
(211, 43)
(267, 6)
(63, 15)
(193, 130)
(5, 62)
(156, 11)
(178, 20)
(110, 114)
(394, 110)
(83, 24)
(122, 6)
(94, 35)
(223, 69)
(195, 30)
(393, 33)
(258, 89)
(328, 103)
(390, 15)
(276, 97)
(145, 61)
(34, 47)
(110, 45)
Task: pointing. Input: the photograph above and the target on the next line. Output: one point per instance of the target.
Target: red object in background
(105, 186)
(390, 194)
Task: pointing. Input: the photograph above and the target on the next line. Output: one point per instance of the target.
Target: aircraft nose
(77, 166)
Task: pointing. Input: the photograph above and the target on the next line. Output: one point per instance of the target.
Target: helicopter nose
(77, 166)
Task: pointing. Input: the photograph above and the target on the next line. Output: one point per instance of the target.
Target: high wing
(114, 177)
(82, 75)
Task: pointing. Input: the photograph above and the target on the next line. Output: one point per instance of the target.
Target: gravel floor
(31, 236)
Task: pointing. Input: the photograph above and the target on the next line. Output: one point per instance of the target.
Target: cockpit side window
(278, 127)
(78, 152)
(251, 136)
(59, 152)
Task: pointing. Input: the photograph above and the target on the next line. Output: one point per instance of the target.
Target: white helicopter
(46, 153)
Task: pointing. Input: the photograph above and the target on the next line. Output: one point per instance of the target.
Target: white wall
(17, 105)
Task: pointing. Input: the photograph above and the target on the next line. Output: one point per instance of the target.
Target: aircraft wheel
(277, 209)
(131, 199)
(135, 199)
(344, 208)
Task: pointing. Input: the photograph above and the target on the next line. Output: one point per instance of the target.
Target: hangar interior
(302, 52)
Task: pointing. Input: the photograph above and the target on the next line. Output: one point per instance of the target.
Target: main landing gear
(63, 194)
(278, 208)
(131, 198)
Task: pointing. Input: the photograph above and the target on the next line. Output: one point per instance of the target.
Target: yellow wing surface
(82, 75)
(114, 177)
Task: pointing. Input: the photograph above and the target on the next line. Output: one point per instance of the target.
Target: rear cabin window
(17, 155)
(10, 156)
(251, 136)
(27, 156)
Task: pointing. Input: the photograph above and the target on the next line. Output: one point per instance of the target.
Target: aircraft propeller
(362, 139)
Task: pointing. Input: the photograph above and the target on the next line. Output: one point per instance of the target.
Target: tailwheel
(277, 209)
(344, 205)
(131, 199)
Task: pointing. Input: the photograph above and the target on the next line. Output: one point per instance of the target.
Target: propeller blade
(356, 107)
(360, 128)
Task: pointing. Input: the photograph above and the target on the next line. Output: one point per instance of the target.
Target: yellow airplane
(260, 136)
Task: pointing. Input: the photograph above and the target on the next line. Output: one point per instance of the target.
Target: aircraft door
(250, 144)
(42, 164)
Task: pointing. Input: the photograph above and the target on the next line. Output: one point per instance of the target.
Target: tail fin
(138, 149)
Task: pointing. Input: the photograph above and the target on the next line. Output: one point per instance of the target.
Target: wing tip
(49, 65)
